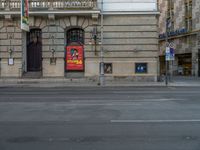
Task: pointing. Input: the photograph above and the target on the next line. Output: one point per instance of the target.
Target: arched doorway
(34, 50)
(74, 54)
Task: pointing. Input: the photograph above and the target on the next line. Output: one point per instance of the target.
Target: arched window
(75, 35)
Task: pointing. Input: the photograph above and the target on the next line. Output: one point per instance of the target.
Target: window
(35, 35)
(141, 68)
(188, 15)
(190, 25)
(186, 24)
(170, 15)
(75, 35)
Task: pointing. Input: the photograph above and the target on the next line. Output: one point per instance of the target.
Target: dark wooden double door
(34, 50)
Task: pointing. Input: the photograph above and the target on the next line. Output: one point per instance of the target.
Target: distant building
(183, 25)
(64, 39)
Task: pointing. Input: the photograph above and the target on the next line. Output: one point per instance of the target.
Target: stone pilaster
(11, 47)
(53, 48)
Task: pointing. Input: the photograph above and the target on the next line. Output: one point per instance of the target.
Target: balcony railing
(36, 5)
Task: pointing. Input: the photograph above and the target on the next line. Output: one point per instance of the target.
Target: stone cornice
(131, 13)
(56, 12)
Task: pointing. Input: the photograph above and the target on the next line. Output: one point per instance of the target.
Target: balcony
(12, 7)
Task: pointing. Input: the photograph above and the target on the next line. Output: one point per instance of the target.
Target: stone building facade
(183, 24)
(130, 44)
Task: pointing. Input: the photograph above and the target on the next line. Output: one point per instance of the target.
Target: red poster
(74, 58)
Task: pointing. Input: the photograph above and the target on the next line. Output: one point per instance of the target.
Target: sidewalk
(77, 82)
(185, 81)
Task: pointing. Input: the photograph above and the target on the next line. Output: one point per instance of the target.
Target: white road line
(154, 121)
(68, 104)
(155, 92)
(130, 99)
(104, 104)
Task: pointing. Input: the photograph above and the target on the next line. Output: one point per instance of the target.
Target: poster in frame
(74, 58)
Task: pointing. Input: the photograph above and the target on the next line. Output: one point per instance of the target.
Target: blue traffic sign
(169, 54)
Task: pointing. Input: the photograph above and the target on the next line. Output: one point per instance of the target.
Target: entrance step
(74, 74)
(32, 75)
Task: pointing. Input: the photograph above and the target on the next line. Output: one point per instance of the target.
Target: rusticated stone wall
(128, 39)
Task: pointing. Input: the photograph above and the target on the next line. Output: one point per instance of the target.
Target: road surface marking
(153, 121)
(155, 92)
(129, 98)
(35, 104)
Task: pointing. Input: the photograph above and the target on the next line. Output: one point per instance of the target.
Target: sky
(129, 5)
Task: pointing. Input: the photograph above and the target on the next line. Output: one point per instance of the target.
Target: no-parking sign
(167, 54)
(170, 52)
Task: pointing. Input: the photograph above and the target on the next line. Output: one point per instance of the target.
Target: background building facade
(183, 24)
(130, 42)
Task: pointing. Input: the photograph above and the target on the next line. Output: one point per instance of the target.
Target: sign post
(167, 51)
(167, 58)
(25, 15)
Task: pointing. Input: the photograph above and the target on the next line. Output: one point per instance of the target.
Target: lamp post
(101, 72)
(167, 45)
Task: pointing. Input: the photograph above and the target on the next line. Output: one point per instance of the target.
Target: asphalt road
(92, 118)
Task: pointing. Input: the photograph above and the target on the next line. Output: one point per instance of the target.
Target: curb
(81, 82)
(54, 85)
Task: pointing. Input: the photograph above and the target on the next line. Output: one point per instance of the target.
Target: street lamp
(101, 72)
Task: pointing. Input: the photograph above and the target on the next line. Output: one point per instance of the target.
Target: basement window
(141, 68)
(108, 68)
